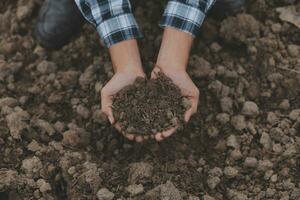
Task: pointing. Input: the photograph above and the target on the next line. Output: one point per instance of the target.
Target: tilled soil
(242, 144)
(150, 106)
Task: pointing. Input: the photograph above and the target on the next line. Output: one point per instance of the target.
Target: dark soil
(242, 144)
(150, 106)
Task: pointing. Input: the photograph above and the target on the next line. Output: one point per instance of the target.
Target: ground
(242, 144)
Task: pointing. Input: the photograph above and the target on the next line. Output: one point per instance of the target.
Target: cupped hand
(117, 82)
(188, 89)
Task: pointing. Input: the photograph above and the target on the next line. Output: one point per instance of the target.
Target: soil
(151, 106)
(243, 143)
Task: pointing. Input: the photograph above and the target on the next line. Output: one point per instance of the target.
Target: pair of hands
(124, 78)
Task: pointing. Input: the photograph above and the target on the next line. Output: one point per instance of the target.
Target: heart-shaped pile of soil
(147, 107)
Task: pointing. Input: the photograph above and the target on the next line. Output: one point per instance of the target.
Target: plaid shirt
(115, 22)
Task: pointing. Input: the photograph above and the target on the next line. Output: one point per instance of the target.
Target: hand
(118, 82)
(188, 90)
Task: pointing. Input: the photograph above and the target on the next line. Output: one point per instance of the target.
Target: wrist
(171, 67)
(174, 51)
(130, 69)
(125, 57)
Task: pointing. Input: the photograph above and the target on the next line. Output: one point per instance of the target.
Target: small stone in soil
(264, 165)
(46, 67)
(294, 114)
(135, 189)
(207, 197)
(43, 185)
(139, 171)
(250, 109)
(164, 191)
(230, 172)
(266, 141)
(32, 166)
(285, 104)
(45, 126)
(223, 118)
(8, 101)
(238, 122)
(226, 104)
(232, 141)
(34, 146)
(17, 122)
(250, 162)
(105, 194)
(213, 181)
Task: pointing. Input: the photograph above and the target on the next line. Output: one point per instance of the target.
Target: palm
(118, 81)
(188, 90)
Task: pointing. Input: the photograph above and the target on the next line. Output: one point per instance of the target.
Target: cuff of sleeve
(182, 16)
(119, 28)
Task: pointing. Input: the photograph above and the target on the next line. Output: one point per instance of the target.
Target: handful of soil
(150, 106)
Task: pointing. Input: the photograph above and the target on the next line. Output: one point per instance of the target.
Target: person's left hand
(188, 90)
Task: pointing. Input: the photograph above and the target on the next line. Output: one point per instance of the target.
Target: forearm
(113, 20)
(125, 56)
(175, 49)
(182, 20)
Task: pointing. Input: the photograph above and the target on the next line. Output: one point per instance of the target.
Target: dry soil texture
(242, 144)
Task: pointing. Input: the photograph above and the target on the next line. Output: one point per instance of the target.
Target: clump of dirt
(150, 106)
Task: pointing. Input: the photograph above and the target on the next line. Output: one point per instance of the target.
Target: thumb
(188, 115)
(192, 110)
(109, 115)
(106, 104)
(155, 72)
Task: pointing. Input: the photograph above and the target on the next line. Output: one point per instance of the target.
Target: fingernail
(111, 120)
(186, 119)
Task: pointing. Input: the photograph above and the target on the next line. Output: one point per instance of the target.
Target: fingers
(128, 136)
(189, 90)
(139, 139)
(194, 100)
(161, 136)
(118, 127)
(106, 103)
(108, 112)
(194, 104)
(155, 72)
(188, 114)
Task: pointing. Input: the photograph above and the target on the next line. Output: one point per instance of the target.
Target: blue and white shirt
(115, 22)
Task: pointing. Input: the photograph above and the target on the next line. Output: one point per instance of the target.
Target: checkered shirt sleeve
(186, 15)
(112, 18)
(115, 22)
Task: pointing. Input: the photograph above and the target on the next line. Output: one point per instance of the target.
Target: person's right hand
(188, 90)
(117, 82)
